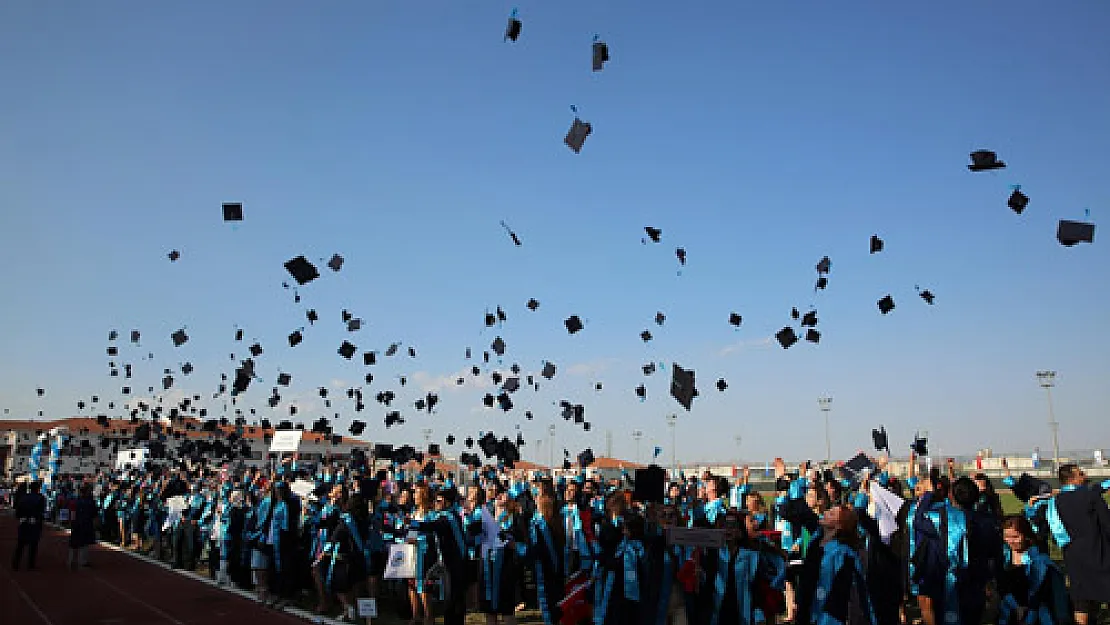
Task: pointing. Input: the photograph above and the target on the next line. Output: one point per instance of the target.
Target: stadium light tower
(551, 449)
(672, 422)
(636, 436)
(1047, 380)
(825, 404)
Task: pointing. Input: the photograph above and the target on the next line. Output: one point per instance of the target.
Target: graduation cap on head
(878, 437)
(682, 386)
(1018, 201)
(1026, 487)
(600, 54)
(876, 244)
(512, 29)
(233, 211)
(1070, 233)
(336, 262)
(179, 338)
(984, 160)
(347, 350)
(577, 134)
(886, 304)
(920, 445)
(786, 337)
(651, 485)
(302, 270)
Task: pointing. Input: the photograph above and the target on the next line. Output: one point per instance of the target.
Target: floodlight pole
(672, 421)
(551, 432)
(1047, 380)
(739, 439)
(636, 436)
(825, 404)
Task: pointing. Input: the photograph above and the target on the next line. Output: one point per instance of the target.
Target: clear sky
(759, 136)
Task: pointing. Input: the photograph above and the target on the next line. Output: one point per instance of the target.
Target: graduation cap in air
(548, 370)
(233, 211)
(505, 402)
(511, 385)
(512, 29)
(682, 386)
(354, 325)
(786, 337)
(573, 324)
(302, 270)
(824, 266)
(174, 255)
(681, 254)
(187, 368)
(392, 349)
(878, 437)
(1018, 201)
(336, 262)
(283, 379)
(113, 335)
(347, 350)
(886, 304)
(735, 319)
(645, 336)
(1026, 487)
(256, 350)
(295, 338)
(660, 318)
(112, 350)
(179, 338)
(498, 346)
(532, 304)
(586, 458)
(600, 54)
(1070, 233)
(311, 316)
(876, 244)
(649, 368)
(809, 320)
(926, 295)
(722, 385)
(985, 160)
(651, 485)
(920, 445)
(813, 336)
(577, 134)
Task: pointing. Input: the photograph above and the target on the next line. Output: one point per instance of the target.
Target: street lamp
(672, 421)
(1047, 380)
(551, 432)
(636, 436)
(739, 439)
(825, 404)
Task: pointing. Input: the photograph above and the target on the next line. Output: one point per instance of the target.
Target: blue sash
(537, 529)
(1055, 524)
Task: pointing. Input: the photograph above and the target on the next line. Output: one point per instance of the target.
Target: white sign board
(131, 458)
(696, 537)
(367, 608)
(286, 441)
(401, 563)
(302, 488)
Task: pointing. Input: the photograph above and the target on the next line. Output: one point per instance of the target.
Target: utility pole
(825, 404)
(1047, 380)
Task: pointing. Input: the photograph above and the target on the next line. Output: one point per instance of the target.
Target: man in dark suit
(1080, 523)
(30, 511)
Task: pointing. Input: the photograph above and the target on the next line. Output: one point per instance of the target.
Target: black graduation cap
(879, 438)
(187, 368)
(283, 379)
(113, 335)
(920, 445)
(112, 350)
(450, 440)
(511, 385)
(660, 318)
(574, 324)
(312, 316)
(786, 337)
(886, 304)
(179, 338)
(984, 160)
(548, 370)
(532, 304)
(347, 350)
(824, 265)
(336, 262)
(1026, 487)
(1018, 201)
(822, 282)
(302, 270)
(645, 336)
(369, 358)
(577, 134)
(392, 349)
(295, 338)
(681, 254)
(586, 458)
(655, 234)
(735, 319)
(1070, 233)
(813, 336)
(649, 368)
(682, 386)
(600, 54)
(876, 244)
(505, 402)
(651, 485)
(926, 295)
(320, 426)
(512, 30)
(167, 382)
(809, 320)
(256, 350)
(233, 211)
(498, 346)
(722, 385)
(238, 335)
(469, 442)
(488, 444)
(354, 325)
(174, 255)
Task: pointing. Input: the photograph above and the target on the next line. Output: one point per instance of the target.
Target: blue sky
(760, 136)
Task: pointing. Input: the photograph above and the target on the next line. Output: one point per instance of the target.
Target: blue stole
(577, 538)
(493, 564)
(331, 550)
(955, 552)
(538, 528)
(1037, 568)
(278, 524)
(356, 536)
(835, 556)
(666, 582)
(1055, 524)
(744, 570)
(225, 525)
(713, 509)
(422, 547)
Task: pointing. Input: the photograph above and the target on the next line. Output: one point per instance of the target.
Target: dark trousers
(27, 538)
(454, 607)
(184, 545)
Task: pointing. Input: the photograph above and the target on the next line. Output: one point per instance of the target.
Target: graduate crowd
(822, 549)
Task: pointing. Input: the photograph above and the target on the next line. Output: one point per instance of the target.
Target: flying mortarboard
(174, 255)
(879, 438)
(645, 336)
(813, 336)
(112, 350)
(548, 370)
(347, 350)
(926, 295)
(824, 265)
(233, 211)
(1070, 233)
(256, 350)
(179, 338)
(302, 270)
(660, 318)
(809, 320)
(876, 244)
(722, 385)
(1018, 201)
(354, 325)
(295, 338)
(574, 324)
(600, 54)
(533, 304)
(512, 29)
(984, 160)
(735, 319)
(283, 379)
(920, 445)
(312, 316)
(577, 134)
(336, 262)
(682, 386)
(786, 337)
(886, 304)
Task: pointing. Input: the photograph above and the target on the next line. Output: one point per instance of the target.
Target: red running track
(118, 589)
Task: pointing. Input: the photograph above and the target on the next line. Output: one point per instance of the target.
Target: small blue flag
(658, 450)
